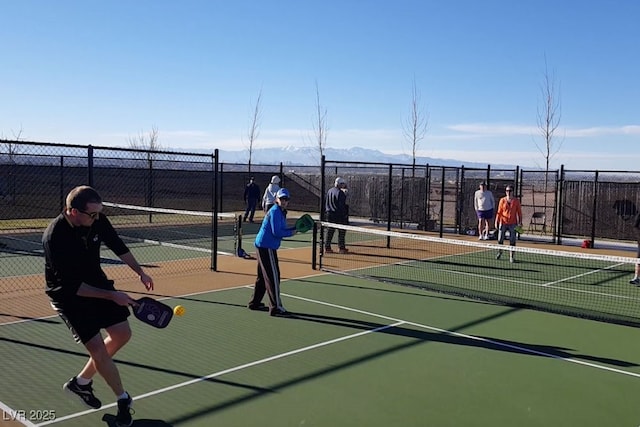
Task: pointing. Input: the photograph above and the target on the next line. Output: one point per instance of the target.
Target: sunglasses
(286, 199)
(92, 215)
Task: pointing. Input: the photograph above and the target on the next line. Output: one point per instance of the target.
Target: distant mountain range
(308, 156)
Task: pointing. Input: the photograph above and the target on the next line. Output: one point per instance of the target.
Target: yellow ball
(178, 310)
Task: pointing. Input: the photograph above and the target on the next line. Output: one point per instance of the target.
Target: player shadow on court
(451, 337)
(111, 422)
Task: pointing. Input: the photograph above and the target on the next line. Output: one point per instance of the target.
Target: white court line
(13, 415)
(230, 370)
(583, 274)
(471, 337)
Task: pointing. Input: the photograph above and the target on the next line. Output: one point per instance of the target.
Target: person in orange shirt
(508, 216)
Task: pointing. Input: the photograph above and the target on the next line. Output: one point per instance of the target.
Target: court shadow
(433, 295)
(111, 422)
(451, 337)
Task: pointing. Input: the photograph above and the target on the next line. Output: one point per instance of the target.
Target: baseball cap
(339, 181)
(283, 192)
(275, 179)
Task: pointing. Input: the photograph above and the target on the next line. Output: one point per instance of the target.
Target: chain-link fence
(555, 204)
(36, 177)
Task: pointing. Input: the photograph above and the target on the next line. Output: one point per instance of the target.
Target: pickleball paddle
(153, 312)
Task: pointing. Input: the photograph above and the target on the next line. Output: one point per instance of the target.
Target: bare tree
(549, 113)
(320, 127)
(11, 148)
(254, 126)
(416, 124)
(148, 143)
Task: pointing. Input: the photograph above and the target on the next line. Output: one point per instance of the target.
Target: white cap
(339, 181)
(275, 179)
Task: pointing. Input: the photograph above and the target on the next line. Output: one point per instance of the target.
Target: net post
(389, 202)
(314, 244)
(237, 236)
(214, 219)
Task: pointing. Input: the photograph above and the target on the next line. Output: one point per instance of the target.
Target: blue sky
(102, 72)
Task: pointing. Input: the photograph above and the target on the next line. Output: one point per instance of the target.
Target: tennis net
(584, 285)
(173, 234)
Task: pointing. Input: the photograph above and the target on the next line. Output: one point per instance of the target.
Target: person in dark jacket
(273, 229)
(338, 212)
(251, 197)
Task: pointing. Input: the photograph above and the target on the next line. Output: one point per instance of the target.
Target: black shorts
(87, 316)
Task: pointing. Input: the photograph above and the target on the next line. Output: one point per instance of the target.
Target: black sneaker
(84, 392)
(635, 281)
(123, 419)
(277, 312)
(257, 307)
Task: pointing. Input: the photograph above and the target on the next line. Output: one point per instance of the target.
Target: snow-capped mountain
(309, 156)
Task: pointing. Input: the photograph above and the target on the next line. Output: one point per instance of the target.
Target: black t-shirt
(72, 256)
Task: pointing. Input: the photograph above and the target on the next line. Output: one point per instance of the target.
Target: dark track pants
(268, 280)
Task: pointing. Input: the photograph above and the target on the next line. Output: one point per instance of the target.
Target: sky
(106, 72)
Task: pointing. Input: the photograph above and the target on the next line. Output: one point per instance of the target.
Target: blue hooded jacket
(273, 229)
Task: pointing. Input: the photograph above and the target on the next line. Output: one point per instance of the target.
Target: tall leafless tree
(147, 142)
(254, 127)
(10, 146)
(320, 127)
(549, 114)
(416, 124)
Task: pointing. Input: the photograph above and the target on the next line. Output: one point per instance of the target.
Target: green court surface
(355, 353)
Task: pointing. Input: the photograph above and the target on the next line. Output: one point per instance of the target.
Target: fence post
(442, 201)
(427, 197)
(214, 220)
(389, 199)
(323, 213)
(594, 210)
(62, 195)
(90, 165)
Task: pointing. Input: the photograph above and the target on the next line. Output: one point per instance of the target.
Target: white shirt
(483, 200)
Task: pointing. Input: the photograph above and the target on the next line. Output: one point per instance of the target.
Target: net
(185, 233)
(166, 242)
(577, 284)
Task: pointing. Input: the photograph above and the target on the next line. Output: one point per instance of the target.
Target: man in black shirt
(83, 296)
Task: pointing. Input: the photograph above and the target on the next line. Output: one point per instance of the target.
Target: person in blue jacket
(273, 229)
